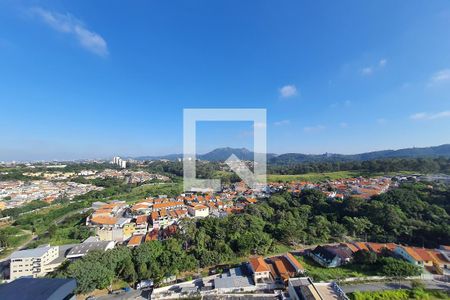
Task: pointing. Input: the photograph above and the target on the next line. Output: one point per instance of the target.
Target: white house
(198, 210)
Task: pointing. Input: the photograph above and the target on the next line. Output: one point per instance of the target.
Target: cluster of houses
(434, 261)
(359, 187)
(157, 218)
(16, 193)
(129, 176)
(281, 275)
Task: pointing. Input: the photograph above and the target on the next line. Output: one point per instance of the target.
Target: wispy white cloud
(430, 116)
(369, 70)
(312, 129)
(440, 77)
(288, 91)
(282, 122)
(70, 25)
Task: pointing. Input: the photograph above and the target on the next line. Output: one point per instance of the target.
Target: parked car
(145, 284)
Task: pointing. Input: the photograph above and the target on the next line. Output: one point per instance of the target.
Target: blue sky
(84, 79)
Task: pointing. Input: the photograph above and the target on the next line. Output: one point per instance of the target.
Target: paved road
(133, 294)
(394, 285)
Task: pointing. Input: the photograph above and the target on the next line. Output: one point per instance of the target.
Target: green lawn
(318, 177)
(400, 295)
(143, 191)
(313, 177)
(14, 237)
(319, 273)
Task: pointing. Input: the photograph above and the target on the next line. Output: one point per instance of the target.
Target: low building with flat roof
(84, 248)
(303, 288)
(39, 289)
(234, 281)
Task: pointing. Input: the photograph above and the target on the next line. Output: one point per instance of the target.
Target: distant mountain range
(219, 154)
(222, 154)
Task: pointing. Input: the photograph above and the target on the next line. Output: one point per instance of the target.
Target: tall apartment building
(119, 161)
(123, 164)
(34, 262)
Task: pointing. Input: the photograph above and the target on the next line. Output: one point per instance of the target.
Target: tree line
(421, 165)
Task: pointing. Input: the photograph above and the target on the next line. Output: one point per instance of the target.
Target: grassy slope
(319, 273)
(140, 192)
(313, 177)
(15, 237)
(317, 177)
(399, 295)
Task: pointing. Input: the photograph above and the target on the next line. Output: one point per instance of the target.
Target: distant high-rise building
(123, 163)
(119, 162)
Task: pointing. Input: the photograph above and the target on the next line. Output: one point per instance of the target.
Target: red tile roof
(152, 235)
(167, 204)
(154, 216)
(361, 246)
(352, 247)
(258, 264)
(141, 219)
(103, 220)
(281, 269)
(294, 261)
(135, 240)
(413, 253)
(376, 247)
(423, 253)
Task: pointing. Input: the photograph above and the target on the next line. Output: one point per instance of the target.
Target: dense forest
(421, 165)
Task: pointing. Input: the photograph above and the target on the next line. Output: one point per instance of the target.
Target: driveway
(131, 295)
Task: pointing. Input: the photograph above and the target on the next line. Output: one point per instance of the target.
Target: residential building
(409, 255)
(445, 250)
(128, 230)
(234, 281)
(299, 269)
(152, 235)
(440, 262)
(34, 262)
(425, 256)
(260, 269)
(331, 256)
(198, 210)
(141, 224)
(91, 244)
(304, 288)
(135, 240)
(282, 270)
(110, 234)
